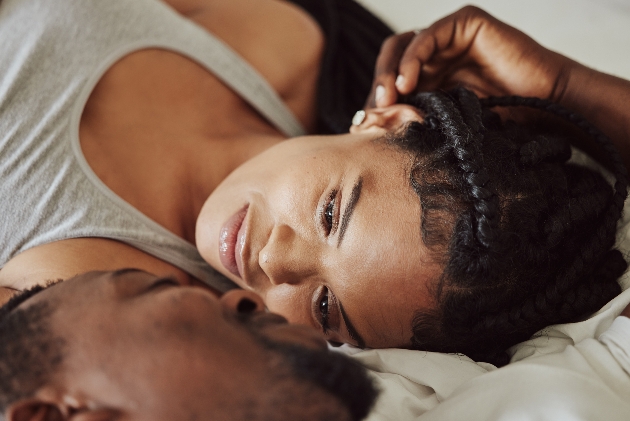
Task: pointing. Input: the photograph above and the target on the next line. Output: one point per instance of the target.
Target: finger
(424, 47)
(380, 95)
(417, 52)
(384, 88)
(385, 93)
(440, 45)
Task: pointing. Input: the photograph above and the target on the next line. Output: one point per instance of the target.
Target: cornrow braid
(555, 301)
(534, 152)
(619, 169)
(525, 237)
(460, 121)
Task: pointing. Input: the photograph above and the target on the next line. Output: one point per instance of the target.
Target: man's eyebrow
(347, 214)
(352, 331)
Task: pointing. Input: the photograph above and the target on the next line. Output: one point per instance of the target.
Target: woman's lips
(231, 242)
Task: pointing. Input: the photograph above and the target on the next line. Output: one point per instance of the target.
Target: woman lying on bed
(430, 225)
(506, 237)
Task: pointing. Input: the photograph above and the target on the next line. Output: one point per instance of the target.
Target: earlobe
(96, 415)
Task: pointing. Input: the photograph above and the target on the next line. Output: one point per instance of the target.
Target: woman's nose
(288, 257)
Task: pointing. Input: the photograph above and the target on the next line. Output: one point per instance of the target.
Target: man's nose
(241, 301)
(288, 257)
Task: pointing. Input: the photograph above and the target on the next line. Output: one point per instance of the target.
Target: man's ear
(37, 410)
(34, 410)
(96, 415)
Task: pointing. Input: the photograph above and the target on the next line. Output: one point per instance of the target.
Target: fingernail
(400, 80)
(358, 118)
(379, 94)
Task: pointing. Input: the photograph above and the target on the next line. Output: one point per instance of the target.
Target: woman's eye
(324, 310)
(328, 216)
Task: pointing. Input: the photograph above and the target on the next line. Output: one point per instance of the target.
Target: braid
(464, 129)
(619, 169)
(577, 209)
(541, 149)
(524, 236)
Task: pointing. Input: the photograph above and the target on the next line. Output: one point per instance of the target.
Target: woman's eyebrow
(351, 329)
(347, 214)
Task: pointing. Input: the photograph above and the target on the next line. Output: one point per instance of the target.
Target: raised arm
(604, 100)
(472, 48)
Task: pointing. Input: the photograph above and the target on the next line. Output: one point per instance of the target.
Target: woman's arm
(604, 100)
(472, 48)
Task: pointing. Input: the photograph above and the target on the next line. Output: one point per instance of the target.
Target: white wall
(594, 32)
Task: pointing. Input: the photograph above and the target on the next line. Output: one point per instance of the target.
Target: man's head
(128, 344)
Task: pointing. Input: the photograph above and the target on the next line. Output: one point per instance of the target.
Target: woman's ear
(387, 119)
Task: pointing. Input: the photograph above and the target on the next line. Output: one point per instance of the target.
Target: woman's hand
(469, 48)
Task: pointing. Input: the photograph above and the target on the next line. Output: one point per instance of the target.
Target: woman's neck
(165, 150)
(215, 160)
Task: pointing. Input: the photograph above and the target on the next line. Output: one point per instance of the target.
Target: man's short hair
(30, 352)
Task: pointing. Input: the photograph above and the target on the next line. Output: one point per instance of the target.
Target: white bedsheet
(586, 381)
(413, 382)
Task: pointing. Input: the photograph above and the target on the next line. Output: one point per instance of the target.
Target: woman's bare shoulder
(186, 7)
(287, 54)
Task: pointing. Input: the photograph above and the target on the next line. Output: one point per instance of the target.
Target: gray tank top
(52, 54)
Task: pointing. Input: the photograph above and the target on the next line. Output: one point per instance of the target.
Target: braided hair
(525, 238)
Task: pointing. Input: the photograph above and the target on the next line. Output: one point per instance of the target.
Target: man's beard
(332, 372)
